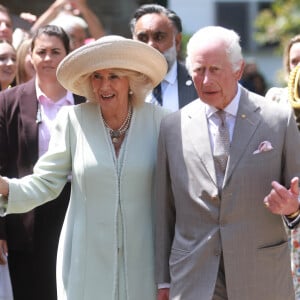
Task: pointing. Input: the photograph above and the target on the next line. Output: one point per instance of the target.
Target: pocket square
(264, 146)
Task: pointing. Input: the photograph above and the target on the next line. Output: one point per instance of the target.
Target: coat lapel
(247, 120)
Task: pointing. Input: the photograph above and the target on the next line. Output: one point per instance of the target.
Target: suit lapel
(186, 89)
(246, 123)
(196, 130)
(28, 111)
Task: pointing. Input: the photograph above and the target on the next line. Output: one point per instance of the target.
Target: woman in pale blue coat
(108, 145)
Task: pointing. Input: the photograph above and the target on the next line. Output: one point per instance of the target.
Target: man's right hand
(3, 252)
(163, 294)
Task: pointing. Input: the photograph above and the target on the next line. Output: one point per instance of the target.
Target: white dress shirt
(169, 90)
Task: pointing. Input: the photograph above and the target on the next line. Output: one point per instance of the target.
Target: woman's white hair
(212, 33)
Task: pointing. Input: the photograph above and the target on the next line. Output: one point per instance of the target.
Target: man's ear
(239, 73)
(178, 40)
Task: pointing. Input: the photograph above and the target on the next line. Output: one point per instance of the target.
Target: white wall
(193, 13)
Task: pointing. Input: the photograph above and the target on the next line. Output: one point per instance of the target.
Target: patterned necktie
(221, 148)
(157, 94)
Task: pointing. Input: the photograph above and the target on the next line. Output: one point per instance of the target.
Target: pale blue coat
(87, 257)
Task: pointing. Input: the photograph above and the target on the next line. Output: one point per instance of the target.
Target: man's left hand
(283, 201)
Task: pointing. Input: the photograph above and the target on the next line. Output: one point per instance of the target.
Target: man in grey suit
(161, 28)
(225, 239)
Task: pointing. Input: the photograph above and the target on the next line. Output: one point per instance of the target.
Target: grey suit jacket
(194, 226)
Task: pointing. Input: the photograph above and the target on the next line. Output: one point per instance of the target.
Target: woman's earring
(130, 92)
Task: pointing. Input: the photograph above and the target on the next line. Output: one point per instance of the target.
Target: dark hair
(4, 9)
(155, 9)
(52, 30)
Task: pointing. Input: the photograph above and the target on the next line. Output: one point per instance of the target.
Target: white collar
(69, 96)
(172, 74)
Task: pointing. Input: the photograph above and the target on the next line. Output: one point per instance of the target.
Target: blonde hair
(22, 51)
(139, 85)
(286, 56)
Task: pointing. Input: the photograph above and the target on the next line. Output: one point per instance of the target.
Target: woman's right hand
(163, 294)
(3, 252)
(3, 186)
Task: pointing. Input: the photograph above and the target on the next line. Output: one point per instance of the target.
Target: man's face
(6, 27)
(77, 37)
(46, 55)
(213, 74)
(158, 31)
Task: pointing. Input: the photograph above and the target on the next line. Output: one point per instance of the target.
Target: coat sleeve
(49, 175)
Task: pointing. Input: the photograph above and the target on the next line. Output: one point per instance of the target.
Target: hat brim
(109, 52)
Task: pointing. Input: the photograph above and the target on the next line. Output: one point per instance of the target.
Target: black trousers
(33, 272)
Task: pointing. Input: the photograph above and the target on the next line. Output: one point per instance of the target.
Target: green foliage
(279, 23)
(185, 39)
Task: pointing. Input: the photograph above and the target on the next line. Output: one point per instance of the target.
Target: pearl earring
(130, 92)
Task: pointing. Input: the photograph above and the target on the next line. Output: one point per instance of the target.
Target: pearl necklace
(117, 134)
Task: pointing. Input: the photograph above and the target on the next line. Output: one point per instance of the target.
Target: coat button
(222, 223)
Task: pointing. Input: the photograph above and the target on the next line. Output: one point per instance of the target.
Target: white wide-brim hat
(109, 52)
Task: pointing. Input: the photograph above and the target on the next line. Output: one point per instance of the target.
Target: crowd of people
(127, 173)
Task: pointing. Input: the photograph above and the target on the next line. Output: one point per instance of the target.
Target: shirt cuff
(291, 223)
(163, 285)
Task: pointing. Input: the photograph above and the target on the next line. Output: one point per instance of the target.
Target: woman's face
(110, 88)
(47, 53)
(8, 64)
